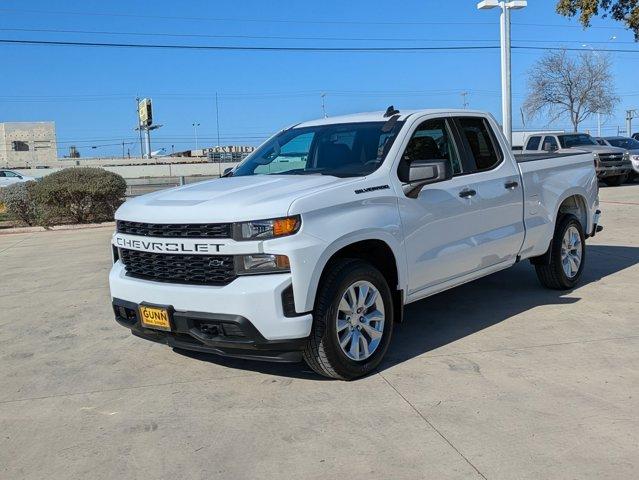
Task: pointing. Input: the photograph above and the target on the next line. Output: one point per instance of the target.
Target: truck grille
(611, 157)
(174, 268)
(176, 230)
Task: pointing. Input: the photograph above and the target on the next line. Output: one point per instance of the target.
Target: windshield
(568, 141)
(340, 150)
(627, 143)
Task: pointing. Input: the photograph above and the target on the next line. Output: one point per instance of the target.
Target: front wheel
(352, 321)
(567, 255)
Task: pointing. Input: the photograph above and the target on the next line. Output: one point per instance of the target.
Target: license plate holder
(157, 317)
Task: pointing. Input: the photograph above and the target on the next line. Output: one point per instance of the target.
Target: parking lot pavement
(498, 379)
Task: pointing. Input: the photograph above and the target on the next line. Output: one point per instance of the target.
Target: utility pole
(217, 124)
(465, 103)
(506, 93)
(598, 124)
(630, 114)
(195, 125)
(323, 96)
(139, 129)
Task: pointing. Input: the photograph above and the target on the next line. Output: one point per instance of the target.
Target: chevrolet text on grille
(167, 246)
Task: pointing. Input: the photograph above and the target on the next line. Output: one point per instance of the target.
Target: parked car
(630, 145)
(612, 164)
(311, 246)
(9, 177)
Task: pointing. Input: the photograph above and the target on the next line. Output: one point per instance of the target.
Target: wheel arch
(382, 250)
(573, 202)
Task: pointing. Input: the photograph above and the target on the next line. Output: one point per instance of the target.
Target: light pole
(506, 93)
(195, 125)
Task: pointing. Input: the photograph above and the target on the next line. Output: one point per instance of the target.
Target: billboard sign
(145, 112)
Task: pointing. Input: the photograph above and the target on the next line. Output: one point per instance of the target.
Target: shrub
(80, 195)
(19, 200)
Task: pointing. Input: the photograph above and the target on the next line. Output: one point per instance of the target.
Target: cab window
(550, 144)
(431, 140)
(533, 143)
(480, 142)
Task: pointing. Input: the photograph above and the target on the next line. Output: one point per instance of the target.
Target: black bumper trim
(227, 335)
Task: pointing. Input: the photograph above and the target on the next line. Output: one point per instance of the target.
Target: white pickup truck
(613, 164)
(311, 247)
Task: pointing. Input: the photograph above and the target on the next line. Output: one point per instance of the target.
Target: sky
(90, 91)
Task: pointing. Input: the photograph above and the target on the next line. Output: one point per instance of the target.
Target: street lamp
(195, 125)
(506, 93)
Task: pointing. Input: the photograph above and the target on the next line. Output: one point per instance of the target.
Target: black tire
(552, 275)
(615, 181)
(323, 352)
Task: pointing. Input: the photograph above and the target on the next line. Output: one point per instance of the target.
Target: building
(230, 153)
(27, 144)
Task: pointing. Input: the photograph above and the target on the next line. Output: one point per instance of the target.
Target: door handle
(511, 185)
(467, 192)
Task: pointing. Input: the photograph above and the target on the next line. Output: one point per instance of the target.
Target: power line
(270, 37)
(293, 49)
(242, 48)
(289, 21)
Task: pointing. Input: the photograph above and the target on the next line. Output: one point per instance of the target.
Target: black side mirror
(227, 171)
(425, 172)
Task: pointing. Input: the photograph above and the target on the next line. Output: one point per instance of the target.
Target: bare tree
(575, 87)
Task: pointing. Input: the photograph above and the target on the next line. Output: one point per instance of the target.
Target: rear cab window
(550, 143)
(480, 143)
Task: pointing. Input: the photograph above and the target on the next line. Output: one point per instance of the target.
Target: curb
(15, 230)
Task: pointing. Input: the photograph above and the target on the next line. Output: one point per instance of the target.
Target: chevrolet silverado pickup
(612, 164)
(310, 248)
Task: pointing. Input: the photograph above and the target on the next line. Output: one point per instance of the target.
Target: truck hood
(229, 199)
(598, 149)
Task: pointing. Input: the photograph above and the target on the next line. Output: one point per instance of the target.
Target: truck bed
(532, 157)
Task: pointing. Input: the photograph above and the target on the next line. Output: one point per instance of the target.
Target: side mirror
(548, 147)
(425, 172)
(227, 171)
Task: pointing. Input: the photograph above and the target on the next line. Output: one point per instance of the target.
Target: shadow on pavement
(449, 316)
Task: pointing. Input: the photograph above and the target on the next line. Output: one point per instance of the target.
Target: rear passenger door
(496, 195)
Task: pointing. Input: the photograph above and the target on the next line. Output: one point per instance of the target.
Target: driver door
(438, 224)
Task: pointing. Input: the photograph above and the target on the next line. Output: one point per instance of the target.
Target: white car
(9, 177)
(311, 247)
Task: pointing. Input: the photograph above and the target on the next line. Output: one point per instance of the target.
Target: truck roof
(379, 116)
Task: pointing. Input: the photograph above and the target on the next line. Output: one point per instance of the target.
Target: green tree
(626, 11)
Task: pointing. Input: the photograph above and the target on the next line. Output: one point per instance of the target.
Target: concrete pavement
(498, 379)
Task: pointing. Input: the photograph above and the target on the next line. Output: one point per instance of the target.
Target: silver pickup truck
(612, 164)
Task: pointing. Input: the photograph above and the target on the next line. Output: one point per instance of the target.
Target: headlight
(261, 263)
(265, 229)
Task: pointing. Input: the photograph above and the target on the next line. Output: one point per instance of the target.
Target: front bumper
(605, 171)
(252, 303)
(226, 335)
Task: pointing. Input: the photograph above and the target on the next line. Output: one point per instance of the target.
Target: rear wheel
(567, 256)
(352, 321)
(615, 181)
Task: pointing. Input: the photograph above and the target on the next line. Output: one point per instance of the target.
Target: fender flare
(349, 239)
